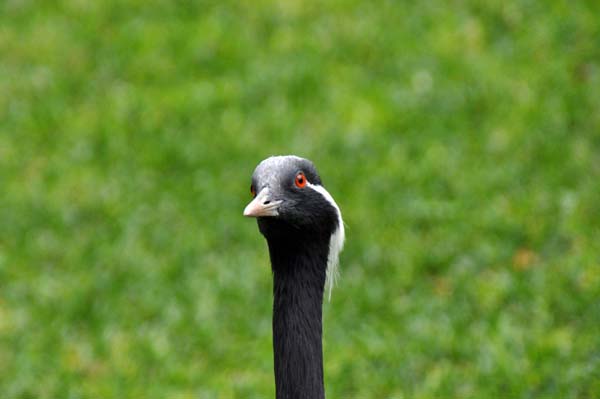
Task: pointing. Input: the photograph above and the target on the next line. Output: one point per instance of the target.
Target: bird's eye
(252, 190)
(300, 180)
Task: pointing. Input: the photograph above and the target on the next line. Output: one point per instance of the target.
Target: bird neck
(299, 271)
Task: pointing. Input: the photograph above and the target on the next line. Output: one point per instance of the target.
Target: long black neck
(299, 268)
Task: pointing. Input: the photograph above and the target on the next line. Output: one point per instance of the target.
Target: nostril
(266, 202)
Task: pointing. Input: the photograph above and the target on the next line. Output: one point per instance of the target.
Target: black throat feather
(299, 264)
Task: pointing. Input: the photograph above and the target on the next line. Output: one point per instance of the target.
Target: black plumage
(304, 231)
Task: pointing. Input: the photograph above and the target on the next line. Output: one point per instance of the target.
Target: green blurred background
(461, 140)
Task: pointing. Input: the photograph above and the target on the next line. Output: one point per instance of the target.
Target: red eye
(252, 191)
(300, 180)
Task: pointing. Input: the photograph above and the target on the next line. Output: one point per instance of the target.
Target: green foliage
(461, 140)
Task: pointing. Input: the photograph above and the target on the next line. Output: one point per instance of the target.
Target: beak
(262, 205)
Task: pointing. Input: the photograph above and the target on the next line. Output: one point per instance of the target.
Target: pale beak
(262, 205)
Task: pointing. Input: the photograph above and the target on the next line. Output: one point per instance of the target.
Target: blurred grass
(461, 140)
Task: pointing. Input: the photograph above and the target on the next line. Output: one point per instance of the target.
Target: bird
(304, 230)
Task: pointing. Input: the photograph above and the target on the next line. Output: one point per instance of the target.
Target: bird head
(287, 192)
(292, 206)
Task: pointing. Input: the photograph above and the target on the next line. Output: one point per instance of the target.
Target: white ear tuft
(336, 243)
